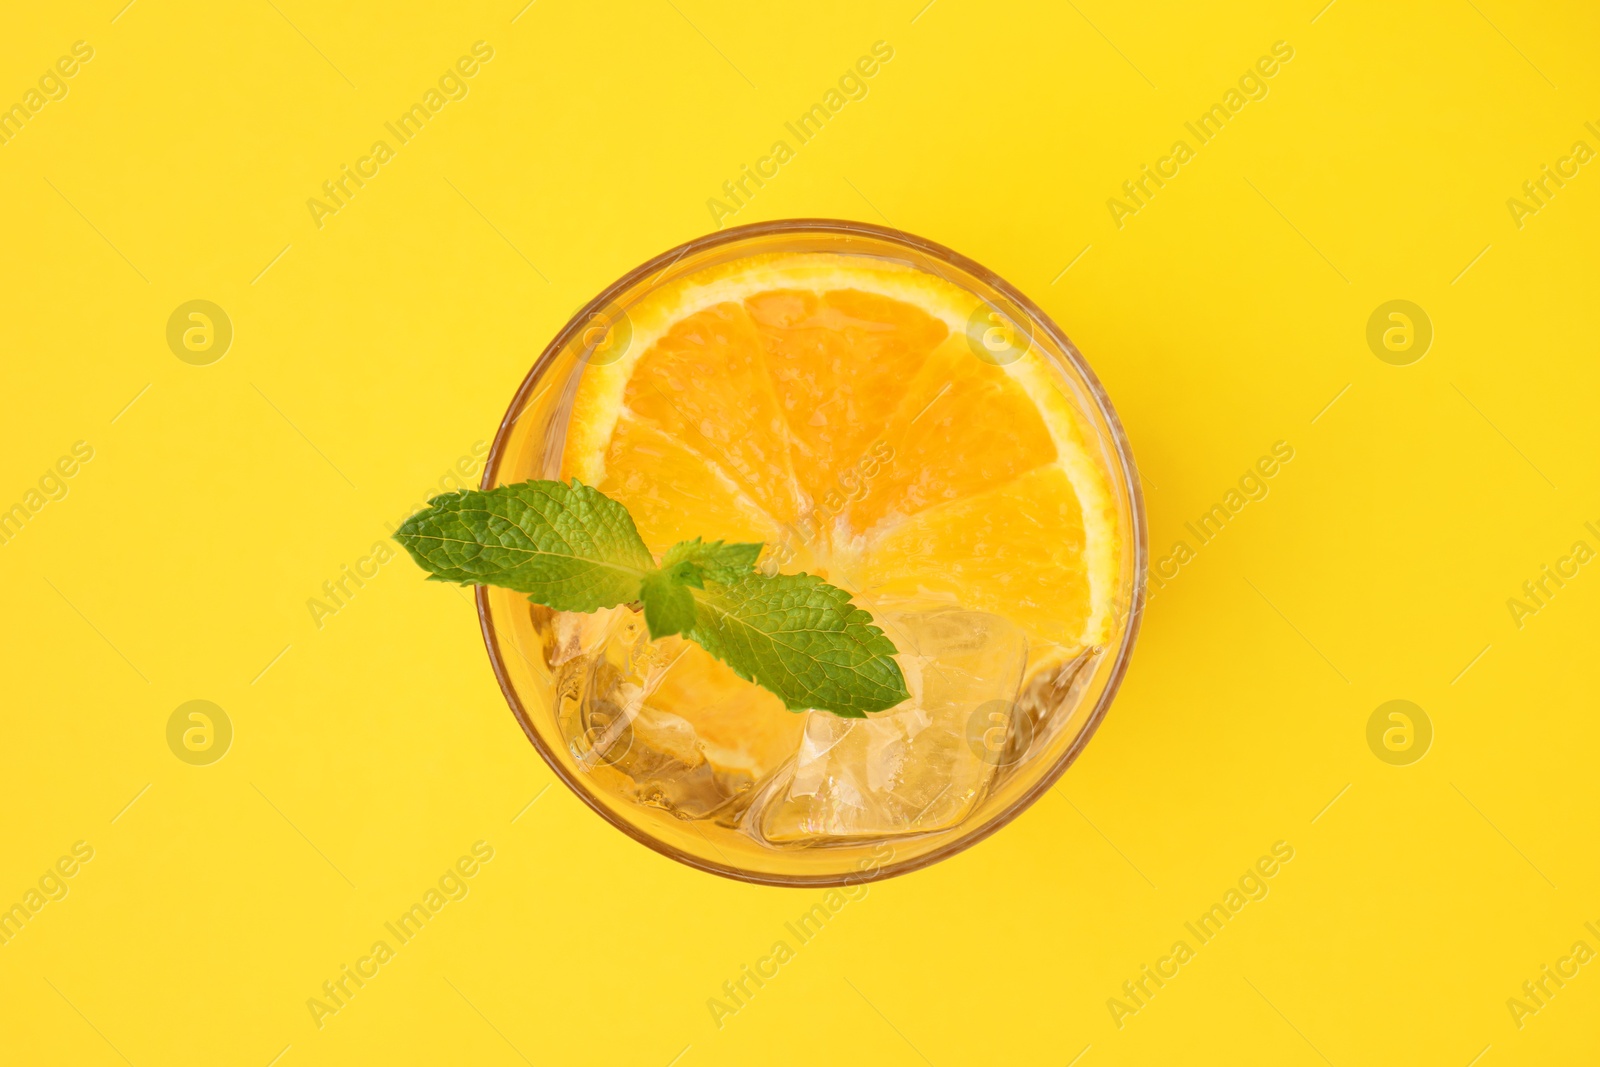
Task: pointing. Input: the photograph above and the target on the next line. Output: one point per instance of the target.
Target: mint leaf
(804, 640)
(668, 604)
(570, 547)
(715, 562)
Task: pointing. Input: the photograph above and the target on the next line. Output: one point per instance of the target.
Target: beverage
(879, 412)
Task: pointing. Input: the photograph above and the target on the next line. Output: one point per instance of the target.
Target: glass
(529, 445)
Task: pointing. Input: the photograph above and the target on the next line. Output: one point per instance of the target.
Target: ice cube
(655, 722)
(921, 766)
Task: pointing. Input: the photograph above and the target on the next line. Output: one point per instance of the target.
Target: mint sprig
(572, 548)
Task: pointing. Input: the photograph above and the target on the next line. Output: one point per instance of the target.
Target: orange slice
(830, 406)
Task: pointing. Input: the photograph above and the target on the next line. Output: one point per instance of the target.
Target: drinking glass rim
(1128, 470)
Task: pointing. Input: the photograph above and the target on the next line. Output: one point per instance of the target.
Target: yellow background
(1225, 316)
